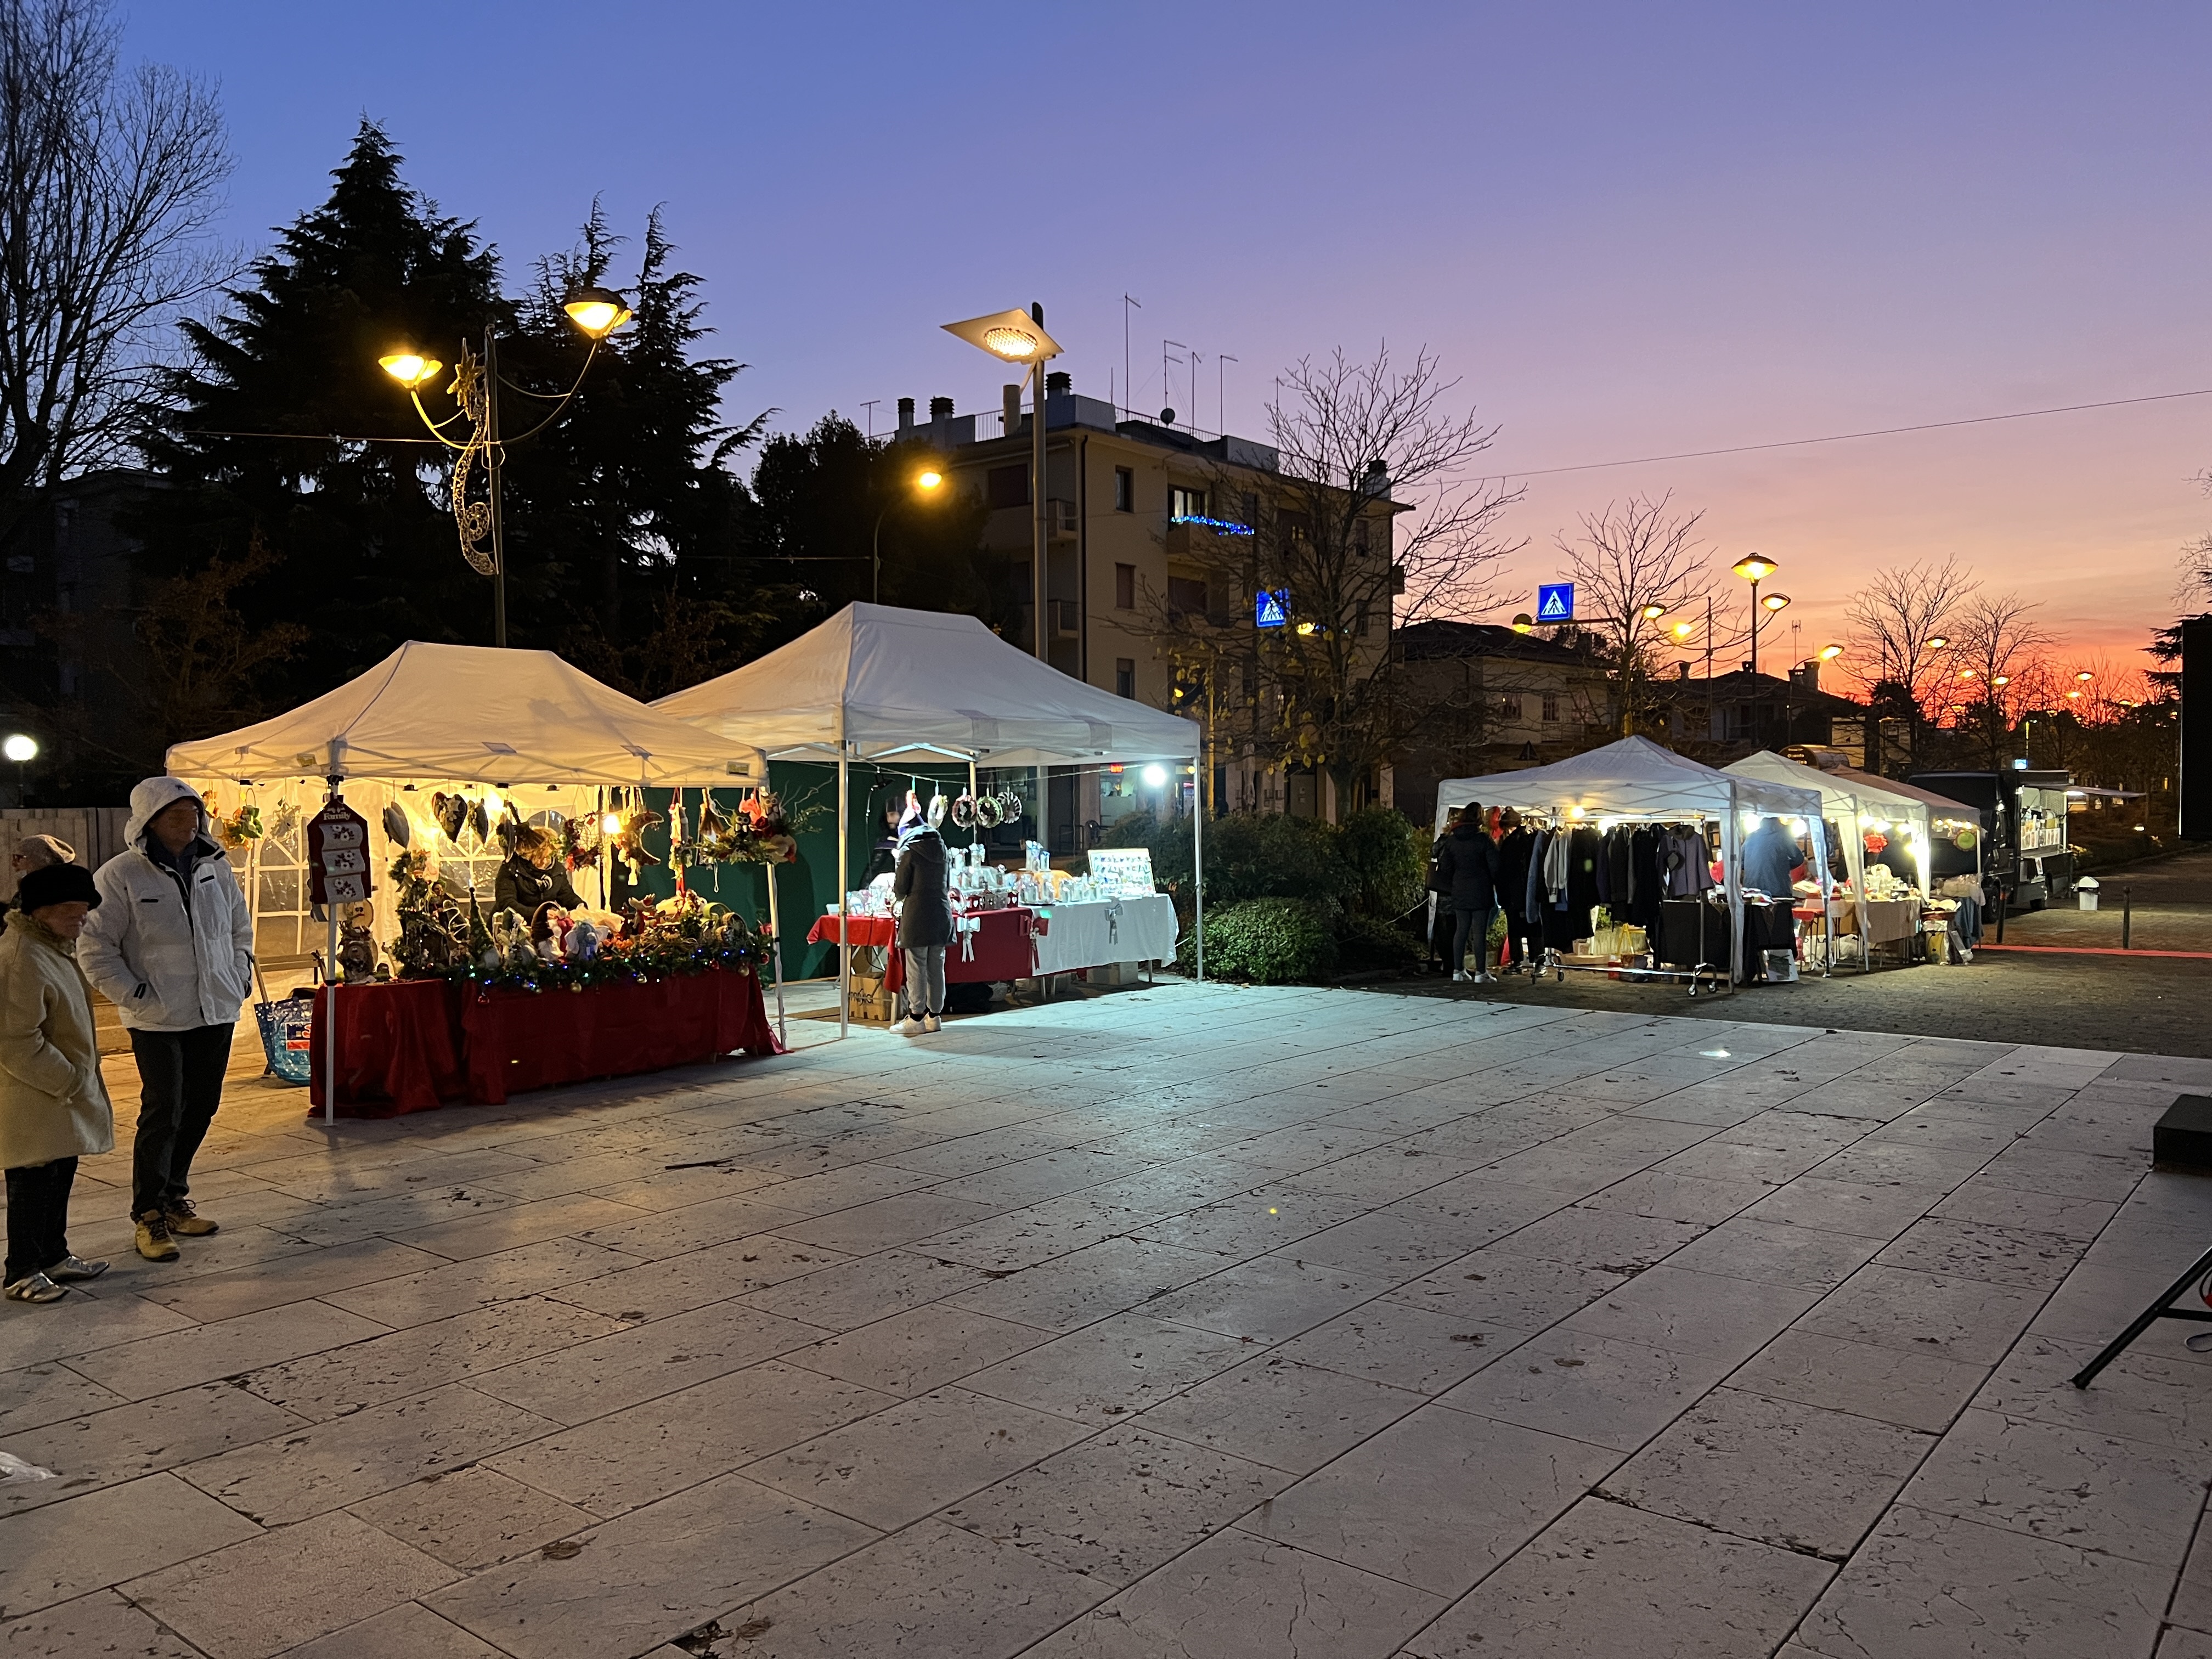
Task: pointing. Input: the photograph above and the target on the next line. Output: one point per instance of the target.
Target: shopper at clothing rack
(1469, 865)
(1516, 843)
(1441, 921)
(1771, 859)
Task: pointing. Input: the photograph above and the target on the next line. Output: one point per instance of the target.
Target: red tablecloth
(414, 1044)
(1003, 950)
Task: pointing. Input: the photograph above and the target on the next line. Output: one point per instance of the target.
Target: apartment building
(1154, 537)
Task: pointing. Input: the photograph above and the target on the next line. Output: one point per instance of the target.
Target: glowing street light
(1830, 652)
(1653, 612)
(20, 748)
(1935, 642)
(927, 482)
(597, 312)
(1524, 624)
(1018, 337)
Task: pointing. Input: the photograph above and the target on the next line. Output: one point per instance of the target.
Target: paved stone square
(1183, 1321)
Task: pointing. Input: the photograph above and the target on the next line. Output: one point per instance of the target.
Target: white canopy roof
(907, 685)
(1632, 778)
(479, 715)
(1859, 801)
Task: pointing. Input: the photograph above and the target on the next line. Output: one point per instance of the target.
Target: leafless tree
(109, 183)
(1634, 564)
(1998, 667)
(1367, 517)
(1896, 618)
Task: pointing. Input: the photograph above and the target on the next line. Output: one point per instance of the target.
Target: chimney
(906, 416)
(1009, 402)
(940, 408)
(1682, 671)
(1059, 384)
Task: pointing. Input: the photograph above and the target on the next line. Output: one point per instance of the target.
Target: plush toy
(582, 944)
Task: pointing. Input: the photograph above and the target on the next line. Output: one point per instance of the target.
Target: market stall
(1671, 811)
(1877, 828)
(402, 793)
(876, 684)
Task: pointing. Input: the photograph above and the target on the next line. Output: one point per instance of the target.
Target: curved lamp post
(927, 482)
(597, 312)
(1018, 337)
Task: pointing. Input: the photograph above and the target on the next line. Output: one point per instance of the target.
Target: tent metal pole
(844, 901)
(775, 955)
(1197, 873)
(1731, 867)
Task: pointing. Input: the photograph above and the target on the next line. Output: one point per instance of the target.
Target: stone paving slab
(1187, 1321)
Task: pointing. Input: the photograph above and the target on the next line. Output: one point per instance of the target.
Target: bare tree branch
(1896, 618)
(1635, 563)
(109, 185)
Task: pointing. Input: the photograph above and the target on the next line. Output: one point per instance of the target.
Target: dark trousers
(1526, 938)
(180, 1076)
(38, 1216)
(1471, 934)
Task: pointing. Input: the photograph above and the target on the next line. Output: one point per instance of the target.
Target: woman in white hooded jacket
(172, 946)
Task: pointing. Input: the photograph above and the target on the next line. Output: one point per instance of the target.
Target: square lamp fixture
(1011, 336)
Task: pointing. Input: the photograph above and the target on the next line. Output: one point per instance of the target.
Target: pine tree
(282, 434)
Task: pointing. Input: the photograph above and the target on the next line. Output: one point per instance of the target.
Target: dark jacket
(925, 912)
(521, 886)
(1468, 868)
(1513, 854)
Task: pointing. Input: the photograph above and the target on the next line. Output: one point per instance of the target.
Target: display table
(1013, 944)
(414, 1044)
(1094, 933)
(1888, 922)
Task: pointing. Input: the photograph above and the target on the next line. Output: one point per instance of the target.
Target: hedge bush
(1366, 944)
(1265, 941)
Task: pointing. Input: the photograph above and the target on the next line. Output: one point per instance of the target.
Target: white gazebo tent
(1861, 805)
(878, 683)
(1635, 778)
(463, 717)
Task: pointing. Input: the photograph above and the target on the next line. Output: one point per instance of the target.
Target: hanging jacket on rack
(1555, 867)
(1513, 860)
(1646, 886)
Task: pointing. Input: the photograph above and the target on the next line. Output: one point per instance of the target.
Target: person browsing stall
(1468, 867)
(1771, 859)
(53, 1107)
(925, 926)
(528, 880)
(172, 946)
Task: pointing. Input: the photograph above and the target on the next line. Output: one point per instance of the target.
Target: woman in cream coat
(53, 1107)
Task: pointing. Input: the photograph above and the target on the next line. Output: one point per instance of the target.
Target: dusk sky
(1629, 230)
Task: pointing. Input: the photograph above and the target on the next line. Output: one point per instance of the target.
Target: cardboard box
(872, 1001)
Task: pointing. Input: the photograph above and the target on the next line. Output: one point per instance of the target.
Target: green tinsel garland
(639, 966)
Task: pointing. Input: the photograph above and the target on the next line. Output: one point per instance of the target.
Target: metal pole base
(2149, 1317)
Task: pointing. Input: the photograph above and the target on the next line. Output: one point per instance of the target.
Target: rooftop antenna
(871, 407)
(1127, 303)
(1167, 387)
(1221, 358)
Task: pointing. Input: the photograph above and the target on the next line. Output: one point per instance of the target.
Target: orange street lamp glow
(928, 480)
(1753, 569)
(1830, 652)
(1775, 602)
(598, 311)
(410, 369)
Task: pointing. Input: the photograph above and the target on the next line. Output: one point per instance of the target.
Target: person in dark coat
(1513, 854)
(528, 881)
(925, 927)
(1440, 921)
(1469, 865)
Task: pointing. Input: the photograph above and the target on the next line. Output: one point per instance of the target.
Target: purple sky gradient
(1630, 230)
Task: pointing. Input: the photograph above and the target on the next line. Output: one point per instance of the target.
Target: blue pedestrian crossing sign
(1272, 608)
(1555, 602)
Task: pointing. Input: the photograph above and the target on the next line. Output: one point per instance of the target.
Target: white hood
(149, 796)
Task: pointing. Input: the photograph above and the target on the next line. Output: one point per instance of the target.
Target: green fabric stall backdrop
(808, 888)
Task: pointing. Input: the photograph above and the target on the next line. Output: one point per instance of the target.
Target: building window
(1551, 705)
(1125, 588)
(1359, 538)
(1125, 491)
(1510, 708)
(1186, 596)
(1184, 504)
(1125, 677)
(1365, 621)
(1007, 486)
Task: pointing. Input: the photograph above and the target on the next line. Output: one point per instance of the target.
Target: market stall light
(19, 748)
(1156, 775)
(598, 311)
(610, 825)
(1753, 569)
(410, 369)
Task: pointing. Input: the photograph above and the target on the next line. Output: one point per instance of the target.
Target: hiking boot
(36, 1287)
(75, 1267)
(152, 1239)
(185, 1221)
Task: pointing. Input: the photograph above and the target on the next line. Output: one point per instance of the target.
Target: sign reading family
(1555, 602)
(1272, 608)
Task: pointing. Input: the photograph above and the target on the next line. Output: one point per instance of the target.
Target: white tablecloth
(1091, 935)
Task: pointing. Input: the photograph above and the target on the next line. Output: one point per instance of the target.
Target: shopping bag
(287, 1033)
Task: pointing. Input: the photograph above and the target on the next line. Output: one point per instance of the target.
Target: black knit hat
(56, 883)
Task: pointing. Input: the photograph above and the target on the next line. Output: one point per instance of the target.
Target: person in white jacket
(172, 946)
